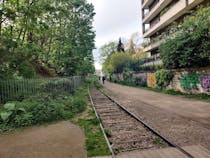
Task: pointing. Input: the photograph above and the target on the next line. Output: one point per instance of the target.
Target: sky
(114, 19)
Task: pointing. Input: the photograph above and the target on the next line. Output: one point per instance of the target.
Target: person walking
(103, 79)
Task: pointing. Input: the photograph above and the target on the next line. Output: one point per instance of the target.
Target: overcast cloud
(114, 19)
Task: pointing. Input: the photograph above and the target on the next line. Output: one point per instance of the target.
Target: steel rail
(149, 127)
(101, 125)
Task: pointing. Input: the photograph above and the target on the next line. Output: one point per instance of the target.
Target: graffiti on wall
(141, 80)
(190, 81)
(206, 83)
(151, 80)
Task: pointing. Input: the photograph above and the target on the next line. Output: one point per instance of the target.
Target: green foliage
(41, 108)
(160, 142)
(46, 34)
(190, 45)
(9, 111)
(139, 81)
(78, 104)
(95, 143)
(94, 81)
(108, 132)
(127, 74)
(116, 63)
(107, 49)
(163, 78)
(57, 84)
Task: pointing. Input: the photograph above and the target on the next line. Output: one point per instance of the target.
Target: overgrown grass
(93, 81)
(95, 142)
(42, 108)
(202, 96)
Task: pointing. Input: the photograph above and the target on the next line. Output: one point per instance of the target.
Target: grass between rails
(202, 96)
(95, 142)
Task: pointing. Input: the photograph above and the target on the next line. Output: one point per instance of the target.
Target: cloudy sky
(114, 19)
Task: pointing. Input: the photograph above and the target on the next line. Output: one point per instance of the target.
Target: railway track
(123, 130)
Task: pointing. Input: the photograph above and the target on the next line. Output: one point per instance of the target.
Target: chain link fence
(11, 90)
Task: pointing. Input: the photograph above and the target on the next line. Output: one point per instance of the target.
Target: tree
(190, 46)
(53, 34)
(120, 46)
(106, 50)
(116, 63)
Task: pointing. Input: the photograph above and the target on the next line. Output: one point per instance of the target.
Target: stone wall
(192, 80)
(185, 80)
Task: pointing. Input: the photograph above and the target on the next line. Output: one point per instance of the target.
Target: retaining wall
(185, 80)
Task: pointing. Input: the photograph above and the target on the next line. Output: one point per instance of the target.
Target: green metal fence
(18, 89)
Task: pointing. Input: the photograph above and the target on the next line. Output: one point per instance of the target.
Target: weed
(39, 109)
(159, 141)
(108, 132)
(95, 142)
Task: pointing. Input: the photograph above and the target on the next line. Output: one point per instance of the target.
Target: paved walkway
(60, 140)
(183, 121)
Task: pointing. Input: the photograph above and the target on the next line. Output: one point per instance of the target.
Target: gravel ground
(166, 115)
(125, 133)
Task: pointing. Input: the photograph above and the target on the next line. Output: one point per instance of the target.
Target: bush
(94, 81)
(127, 74)
(78, 105)
(163, 78)
(41, 108)
(116, 62)
(58, 84)
(140, 81)
(190, 46)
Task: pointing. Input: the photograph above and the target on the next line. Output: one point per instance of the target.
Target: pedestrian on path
(103, 79)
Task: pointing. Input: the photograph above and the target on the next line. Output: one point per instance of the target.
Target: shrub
(41, 108)
(190, 45)
(140, 81)
(163, 78)
(127, 74)
(78, 105)
(57, 84)
(117, 62)
(93, 82)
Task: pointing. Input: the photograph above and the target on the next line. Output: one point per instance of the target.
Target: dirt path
(60, 140)
(184, 121)
(196, 110)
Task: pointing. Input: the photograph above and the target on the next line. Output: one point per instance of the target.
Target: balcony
(153, 45)
(146, 3)
(171, 15)
(156, 10)
(152, 61)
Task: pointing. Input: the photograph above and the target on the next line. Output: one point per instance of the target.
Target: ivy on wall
(163, 78)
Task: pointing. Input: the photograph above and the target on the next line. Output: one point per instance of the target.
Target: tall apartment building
(158, 15)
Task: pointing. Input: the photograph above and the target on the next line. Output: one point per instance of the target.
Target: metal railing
(17, 89)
